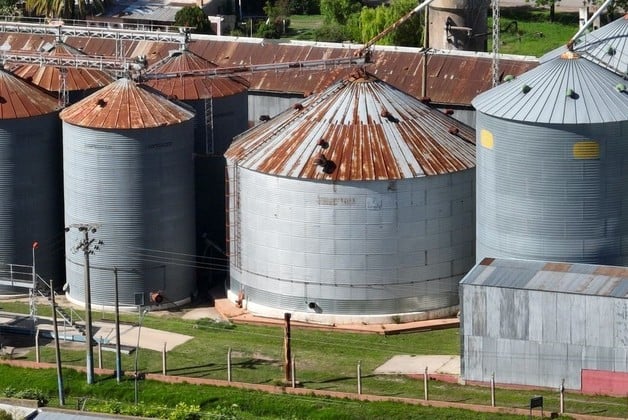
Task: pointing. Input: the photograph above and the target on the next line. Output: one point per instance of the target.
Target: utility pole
(88, 246)
(287, 350)
(118, 357)
(33, 291)
(57, 350)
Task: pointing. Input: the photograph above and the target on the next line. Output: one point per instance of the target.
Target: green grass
(324, 360)
(528, 32)
(303, 26)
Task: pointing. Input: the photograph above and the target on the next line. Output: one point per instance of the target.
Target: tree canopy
(69, 9)
(193, 17)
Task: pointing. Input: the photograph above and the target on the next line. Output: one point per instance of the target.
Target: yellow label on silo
(486, 138)
(587, 149)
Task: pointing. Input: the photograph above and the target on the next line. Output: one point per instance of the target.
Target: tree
(305, 7)
(64, 8)
(339, 11)
(374, 20)
(193, 17)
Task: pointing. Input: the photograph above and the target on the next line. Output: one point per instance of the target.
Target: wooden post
(287, 356)
(493, 389)
(293, 374)
(426, 377)
(117, 312)
(562, 397)
(163, 360)
(360, 377)
(37, 353)
(229, 365)
(100, 353)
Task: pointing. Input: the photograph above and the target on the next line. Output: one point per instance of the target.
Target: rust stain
(18, 99)
(410, 139)
(556, 266)
(124, 105)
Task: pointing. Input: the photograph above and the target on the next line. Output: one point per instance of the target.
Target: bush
(331, 33)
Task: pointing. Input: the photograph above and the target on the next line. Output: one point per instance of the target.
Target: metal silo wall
(30, 195)
(352, 248)
(138, 185)
(537, 338)
(230, 118)
(537, 201)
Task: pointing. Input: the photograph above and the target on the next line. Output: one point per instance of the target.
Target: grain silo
(70, 84)
(551, 178)
(357, 204)
(221, 113)
(606, 46)
(30, 173)
(458, 24)
(129, 171)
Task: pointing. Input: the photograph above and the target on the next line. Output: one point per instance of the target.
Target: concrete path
(416, 364)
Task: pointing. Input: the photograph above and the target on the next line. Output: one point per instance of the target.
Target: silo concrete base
(314, 317)
(129, 308)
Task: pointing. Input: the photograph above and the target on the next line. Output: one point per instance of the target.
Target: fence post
(562, 396)
(229, 365)
(37, 354)
(359, 377)
(426, 394)
(493, 389)
(100, 353)
(293, 373)
(164, 370)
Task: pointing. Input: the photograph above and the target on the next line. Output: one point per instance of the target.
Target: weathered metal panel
(30, 190)
(137, 186)
(287, 261)
(599, 322)
(125, 105)
(365, 130)
(537, 201)
(20, 100)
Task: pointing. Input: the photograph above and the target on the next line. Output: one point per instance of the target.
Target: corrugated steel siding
(138, 186)
(125, 105)
(548, 336)
(595, 98)
(363, 143)
(30, 194)
(353, 248)
(536, 201)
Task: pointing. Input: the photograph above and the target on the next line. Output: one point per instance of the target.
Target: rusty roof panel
(18, 99)
(189, 87)
(452, 77)
(125, 105)
(359, 129)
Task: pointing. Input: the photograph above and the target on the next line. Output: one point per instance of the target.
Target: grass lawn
(324, 360)
(303, 26)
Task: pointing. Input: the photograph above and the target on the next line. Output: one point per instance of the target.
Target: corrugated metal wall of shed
(30, 179)
(137, 185)
(555, 335)
(381, 247)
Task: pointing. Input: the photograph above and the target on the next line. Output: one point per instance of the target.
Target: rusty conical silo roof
(567, 90)
(125, 105)
(49, 77)
(18, 99)
(188, 87)
(358, 129)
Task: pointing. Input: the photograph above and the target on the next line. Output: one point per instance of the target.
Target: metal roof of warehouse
(582, 279)
(453, 78)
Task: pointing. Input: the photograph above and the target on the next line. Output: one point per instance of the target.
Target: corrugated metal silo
(128, 168)
(356, 205)
(30, 173)
(551, 178)
(458, 24)
(221, 113)
(606, 46)
(75, 82)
